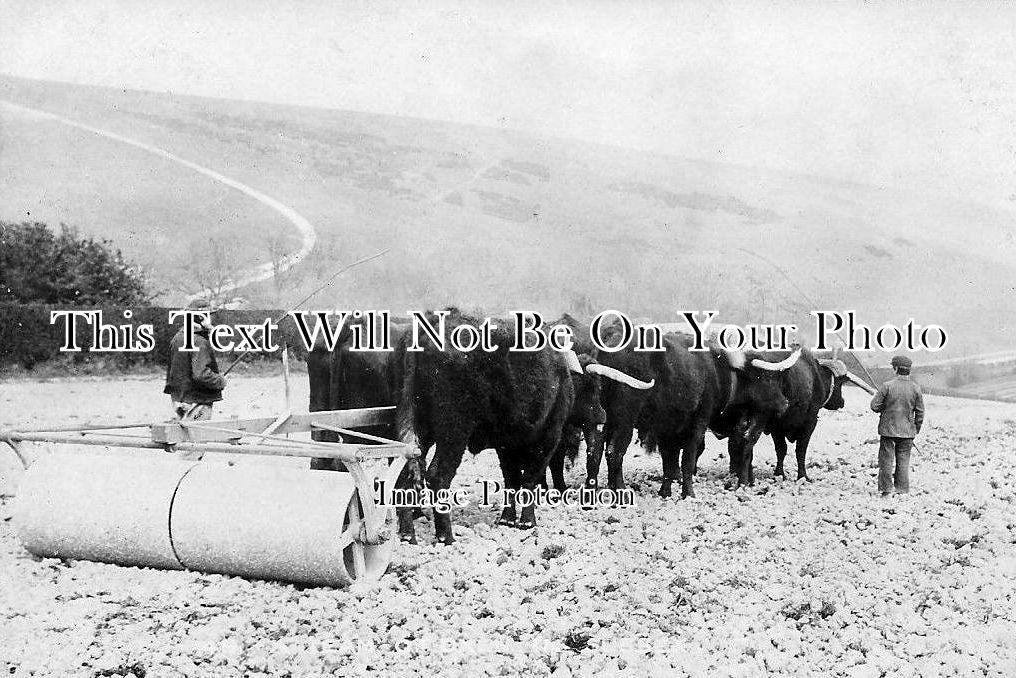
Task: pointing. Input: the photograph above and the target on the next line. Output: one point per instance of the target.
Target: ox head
(759, 394)
(587, 411)
(834, 375)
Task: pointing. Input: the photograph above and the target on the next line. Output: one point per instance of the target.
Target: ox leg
(746, 474)
(735, 450)
(321, 366)
(594, 456)
(780, 443)
(749, 438)
(690, 451)
(439, 478)
(567, 448)
(557, 468)
(698, 455)
(595, 441)
(671, 456)
(535, 464)
(411, 480)
(420, 481)
(535, 468)
(615, 458)
(512, 473)
(407, 530)
(802, 453)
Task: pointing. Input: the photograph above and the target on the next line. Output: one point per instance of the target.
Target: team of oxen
(535, 408)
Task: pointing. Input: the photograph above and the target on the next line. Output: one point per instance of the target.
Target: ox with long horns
(810, 385)
(672, 397)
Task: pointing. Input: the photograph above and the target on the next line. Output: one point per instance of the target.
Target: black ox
(344, 378)
(672, 397)
(810, 385)
(512, 401)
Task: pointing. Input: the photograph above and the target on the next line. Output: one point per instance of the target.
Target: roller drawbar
(253, 520)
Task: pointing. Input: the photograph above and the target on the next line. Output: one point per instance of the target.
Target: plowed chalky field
(820, 578)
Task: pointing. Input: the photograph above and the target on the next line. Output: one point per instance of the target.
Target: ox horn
(860, 382)
(619, 376)
(777, 367)
(837, 367)
(573, 361)
(735, 358)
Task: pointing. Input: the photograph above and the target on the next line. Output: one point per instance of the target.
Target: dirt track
(821, 578)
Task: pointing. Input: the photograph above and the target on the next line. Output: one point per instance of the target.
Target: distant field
(1002, 388)
(498, 220)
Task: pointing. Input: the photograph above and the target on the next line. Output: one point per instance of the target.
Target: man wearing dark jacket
(901, 406)
(193, 381)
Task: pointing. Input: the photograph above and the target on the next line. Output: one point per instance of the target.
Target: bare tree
(210, 270)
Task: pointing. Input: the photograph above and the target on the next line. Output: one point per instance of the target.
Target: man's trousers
(894, 464)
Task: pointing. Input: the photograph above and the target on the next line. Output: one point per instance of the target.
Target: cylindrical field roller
(270, 522)
(112, 509)
(262, 521)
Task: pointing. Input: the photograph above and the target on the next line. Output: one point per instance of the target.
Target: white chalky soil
(798, 579)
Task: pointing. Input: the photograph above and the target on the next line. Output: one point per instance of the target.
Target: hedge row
(27, 337)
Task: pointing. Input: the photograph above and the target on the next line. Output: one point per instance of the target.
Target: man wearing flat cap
(193, 381)
(901, 407)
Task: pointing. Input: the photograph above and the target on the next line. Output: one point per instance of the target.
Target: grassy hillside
(494, 219)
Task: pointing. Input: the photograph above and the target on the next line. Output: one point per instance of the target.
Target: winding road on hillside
(308, 235)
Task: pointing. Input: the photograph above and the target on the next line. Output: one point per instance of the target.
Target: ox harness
(832, 387)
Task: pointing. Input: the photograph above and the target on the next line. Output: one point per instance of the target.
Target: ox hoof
(446, 538)
(527, 520)
(408, 538)
(803, 479)
(665, 491)
(778, 473)
(508, 517)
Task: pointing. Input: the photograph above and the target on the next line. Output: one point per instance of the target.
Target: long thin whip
(807, 298)
(307, 298)
(811, 302)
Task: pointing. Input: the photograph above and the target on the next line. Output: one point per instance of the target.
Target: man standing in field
(901, 405)
(193, 381)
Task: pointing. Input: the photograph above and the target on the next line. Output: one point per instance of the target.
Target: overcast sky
(913, 95)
